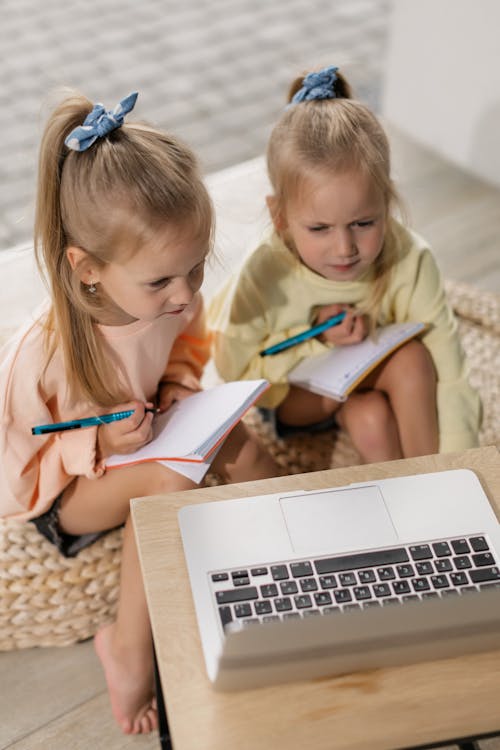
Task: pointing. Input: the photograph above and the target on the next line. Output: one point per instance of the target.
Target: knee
(375, 414)
(412, 367)
(371, 424)
(160, 480)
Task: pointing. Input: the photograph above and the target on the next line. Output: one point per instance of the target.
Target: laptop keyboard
(334, 584)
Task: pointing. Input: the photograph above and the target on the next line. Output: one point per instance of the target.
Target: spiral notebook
(338, 372)
(187, 436)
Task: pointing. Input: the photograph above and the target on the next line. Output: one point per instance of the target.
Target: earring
(92, 289)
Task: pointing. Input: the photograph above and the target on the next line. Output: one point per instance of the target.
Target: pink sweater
(34, 469)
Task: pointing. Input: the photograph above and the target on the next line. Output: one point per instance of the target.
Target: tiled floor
(214, 72)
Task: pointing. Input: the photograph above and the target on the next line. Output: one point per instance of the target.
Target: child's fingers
(132, 423)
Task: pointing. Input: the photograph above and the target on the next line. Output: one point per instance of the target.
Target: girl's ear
(277, 216)
(81, 262)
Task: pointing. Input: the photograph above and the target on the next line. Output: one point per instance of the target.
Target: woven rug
(49, 600)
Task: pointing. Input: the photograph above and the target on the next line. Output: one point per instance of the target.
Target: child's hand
(168, 393)
(352, 329)
(126, 435)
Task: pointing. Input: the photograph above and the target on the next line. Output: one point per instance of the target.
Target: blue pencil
(304, 336)
(76, 424)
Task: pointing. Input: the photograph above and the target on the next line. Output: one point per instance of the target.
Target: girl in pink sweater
(123, 229)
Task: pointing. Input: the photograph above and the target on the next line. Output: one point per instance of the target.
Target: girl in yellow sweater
(336, 246)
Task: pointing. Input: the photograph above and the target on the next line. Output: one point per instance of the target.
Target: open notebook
(188, 435)
(339, 371)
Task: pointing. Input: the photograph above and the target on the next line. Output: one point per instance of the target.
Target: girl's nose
(182, 294)
(344, 246)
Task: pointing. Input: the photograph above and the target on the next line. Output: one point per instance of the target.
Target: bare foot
(130, 683)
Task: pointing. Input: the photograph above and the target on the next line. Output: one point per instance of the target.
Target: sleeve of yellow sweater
(459, 407)
(241, 318)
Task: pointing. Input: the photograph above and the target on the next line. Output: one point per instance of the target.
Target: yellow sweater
(275, 296)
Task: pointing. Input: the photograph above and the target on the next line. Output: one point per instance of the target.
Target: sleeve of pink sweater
(34, 469)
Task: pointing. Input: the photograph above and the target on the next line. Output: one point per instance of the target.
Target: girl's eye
(159, 283)
(362, 224)
(318, 228)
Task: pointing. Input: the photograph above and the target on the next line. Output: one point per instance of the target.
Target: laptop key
(288, 587)
(242, 610)
(347, 579)
(342, 595)
(263, 607)
(216, 577)
(459, 579)
(283, 604)
(367, 576)
(484, 574)
(478, 543)
(440, 581)
(462, 563)
(420, 584)
(443, 565)
(460, 546)
(225, 616)
(269, 589)
(301, 569)
(237, 595)
(420, 552)
(259, 571)
(441, 549)
(328, 582)
(362, 592)
(401, 587)
(381, 589)
(405, 571)
(322, 598)
(241, 581)
(483, 559)
(279, 572)
(386, 574)
(361, 560)
(308, 584)
(302, 601)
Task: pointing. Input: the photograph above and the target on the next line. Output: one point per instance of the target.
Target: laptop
(317, 583)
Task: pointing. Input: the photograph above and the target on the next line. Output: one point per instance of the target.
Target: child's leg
(366, 416)
(124, 647)
(301, 408)
(242, 458)
(368, 419)
(409, 379)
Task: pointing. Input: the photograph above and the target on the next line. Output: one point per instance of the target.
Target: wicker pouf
(49, 600)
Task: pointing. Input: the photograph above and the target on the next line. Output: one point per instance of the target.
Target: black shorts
(68, 545)
(286, 430)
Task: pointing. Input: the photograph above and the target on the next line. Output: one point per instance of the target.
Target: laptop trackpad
(338, 520)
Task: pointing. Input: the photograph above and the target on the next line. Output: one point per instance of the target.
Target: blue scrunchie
(320, 85)
(99, 123)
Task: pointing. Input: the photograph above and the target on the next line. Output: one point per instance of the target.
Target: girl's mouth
(344, 266)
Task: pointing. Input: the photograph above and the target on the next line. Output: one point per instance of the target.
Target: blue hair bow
(99, 123)
(320, 85)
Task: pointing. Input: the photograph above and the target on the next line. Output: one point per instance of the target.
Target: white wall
(442, 79)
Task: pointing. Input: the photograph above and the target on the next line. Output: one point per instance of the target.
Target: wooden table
(385, 708)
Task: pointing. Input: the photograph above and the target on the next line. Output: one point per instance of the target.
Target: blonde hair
(106, 200)
(341, 135)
